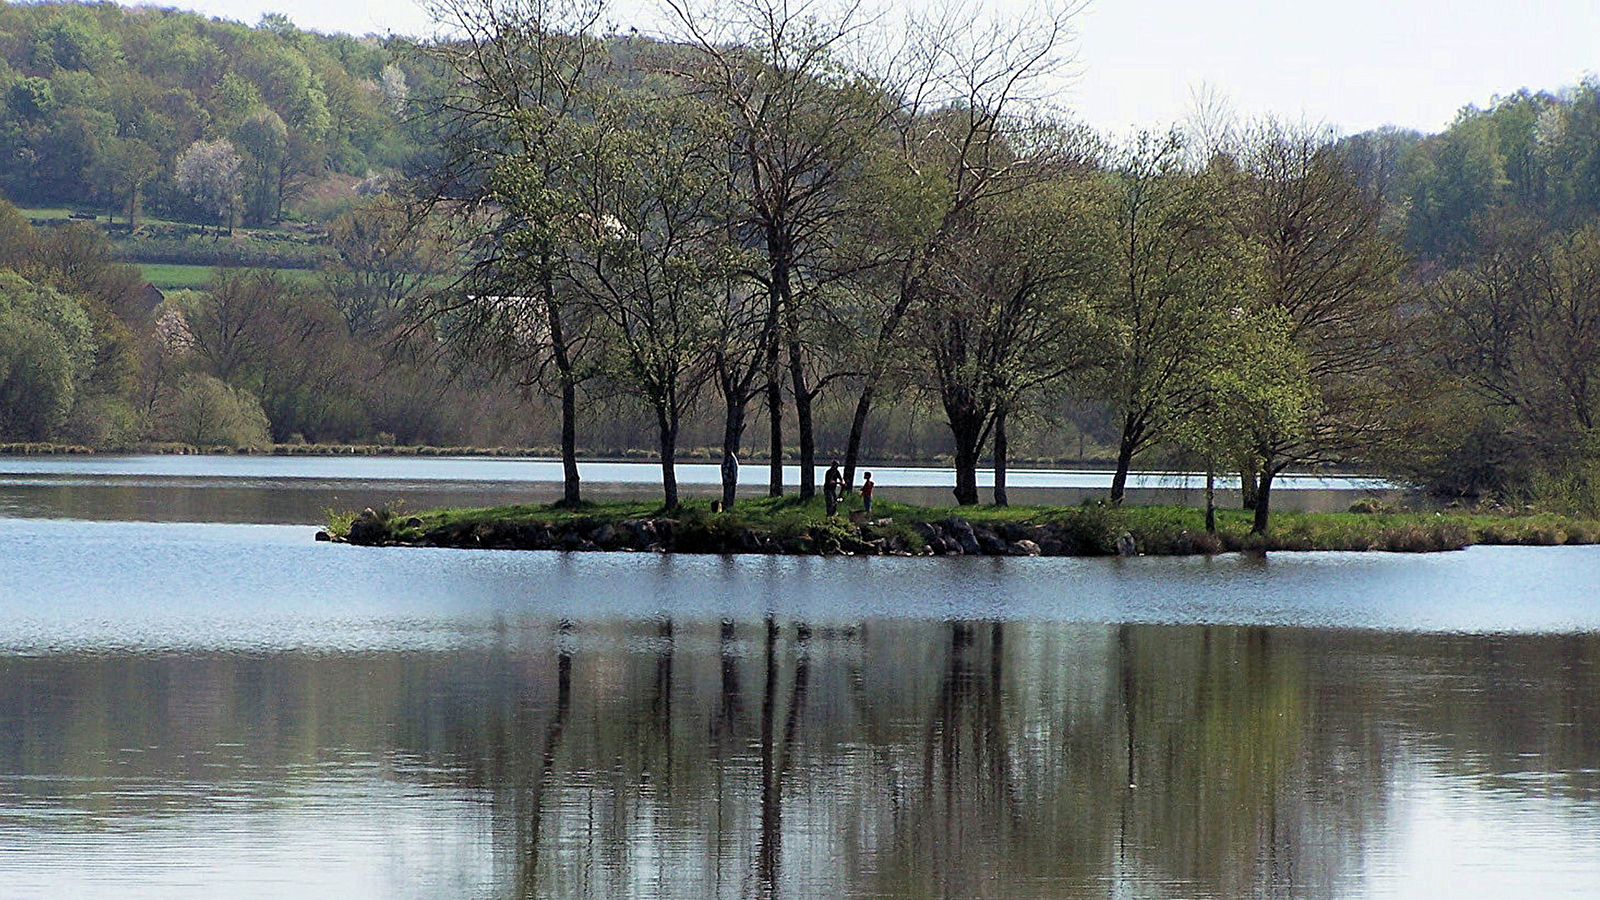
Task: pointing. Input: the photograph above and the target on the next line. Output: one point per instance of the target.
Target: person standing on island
(830, 488)
(866, 494)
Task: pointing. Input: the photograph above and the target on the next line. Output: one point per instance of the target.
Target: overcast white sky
(1352, 64)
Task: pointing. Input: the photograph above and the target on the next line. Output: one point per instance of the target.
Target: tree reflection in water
(772, 757)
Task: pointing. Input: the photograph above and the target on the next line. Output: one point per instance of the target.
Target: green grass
(172, 276)
(1157, 530)
(46, 213)
(63, 213)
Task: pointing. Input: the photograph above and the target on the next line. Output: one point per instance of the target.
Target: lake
(198, 702)
(300, 489)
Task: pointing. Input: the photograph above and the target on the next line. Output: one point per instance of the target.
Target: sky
(1352, 65)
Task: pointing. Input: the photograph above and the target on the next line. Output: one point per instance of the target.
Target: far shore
(789, 526)
(688, 456)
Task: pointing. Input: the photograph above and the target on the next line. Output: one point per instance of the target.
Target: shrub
(204, 411)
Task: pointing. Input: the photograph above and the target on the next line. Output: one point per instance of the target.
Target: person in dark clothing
(830, 488)
(866, 494)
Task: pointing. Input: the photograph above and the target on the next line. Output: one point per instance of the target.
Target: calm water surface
(213, 709)
(300, 489)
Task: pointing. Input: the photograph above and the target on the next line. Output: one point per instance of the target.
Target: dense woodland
(778, 235)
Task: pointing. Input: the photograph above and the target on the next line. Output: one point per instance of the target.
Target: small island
(790, 526)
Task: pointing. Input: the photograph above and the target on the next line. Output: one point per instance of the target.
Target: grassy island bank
(791, 526)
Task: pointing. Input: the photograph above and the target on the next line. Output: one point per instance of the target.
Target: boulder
(1023, 547)
(989, 542)
(960, 531)
(1126, 545)
(640, 532)
(367, 529)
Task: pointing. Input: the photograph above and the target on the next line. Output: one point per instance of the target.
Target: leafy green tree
(1008, 315)
(204, 411)
(1168, 277)
(1455, 178)
(30, 98)
(521, 71)
(264, 139)
(46, 354)
(654, 258)
(1324, 264)
(75, 42)
(1252, 383)
(122, 169)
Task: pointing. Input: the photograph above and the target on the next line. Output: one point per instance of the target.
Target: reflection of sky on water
(346, 833)
(242, 586)
(515, 469)
(300, 490)
(1448, 837)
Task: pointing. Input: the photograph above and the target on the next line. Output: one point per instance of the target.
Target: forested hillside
(101, 101)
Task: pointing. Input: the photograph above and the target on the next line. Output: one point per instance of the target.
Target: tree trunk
(569, 386)
(570, 493)
(966, 440)
(732, 436)
(1125, 448)
(1263, 500)
(802, 412)
(1247, 486)
(1211, 497)
(858, 425)
(667, 427)
(909, 289)
(1001, 447)
(775, 421)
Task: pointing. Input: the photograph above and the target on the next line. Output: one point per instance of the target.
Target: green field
(169, 276)
(63, 213)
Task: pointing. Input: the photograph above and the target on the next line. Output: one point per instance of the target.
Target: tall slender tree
(970, 84)
(654, 260)
(521, 70)
(803, 120)
(1167, 279)
(1326, 266)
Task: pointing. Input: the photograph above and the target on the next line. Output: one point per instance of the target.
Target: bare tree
(385, 259)
(520, 72)
(803, 120)
(971, 85)
(1007, 314)
(1314, 231)
(1519, 330)
(654, 261)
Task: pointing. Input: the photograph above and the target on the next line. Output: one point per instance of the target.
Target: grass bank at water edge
(792, 526)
